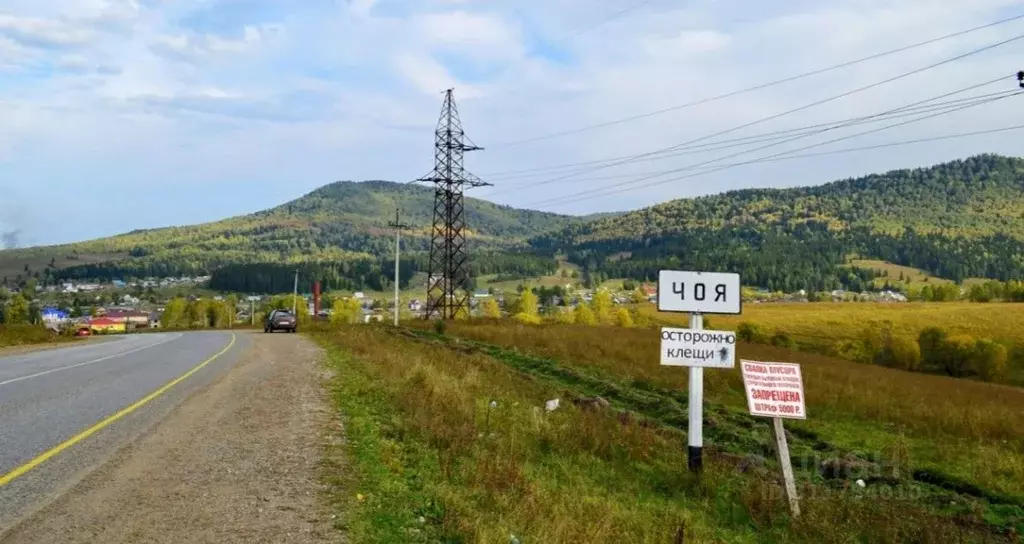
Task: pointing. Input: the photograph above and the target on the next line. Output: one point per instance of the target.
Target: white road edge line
(108, 357)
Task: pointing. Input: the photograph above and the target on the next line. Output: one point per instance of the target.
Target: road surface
(161, 437)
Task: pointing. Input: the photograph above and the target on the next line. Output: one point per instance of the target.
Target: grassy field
(564, 267)
(23, 335)
(918, 278)
(893, 272)
(822, 324)
(450, 442)
(37, 259)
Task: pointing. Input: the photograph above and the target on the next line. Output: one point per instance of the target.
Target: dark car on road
(280, 320)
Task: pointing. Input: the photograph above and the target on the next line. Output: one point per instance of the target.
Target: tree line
(808, 256)
(366, 274)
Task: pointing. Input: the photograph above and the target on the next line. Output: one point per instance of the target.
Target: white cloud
(471, 33)
(193, 47)
(277, 98)
(687, 43)
(429, 76)
(44, 33)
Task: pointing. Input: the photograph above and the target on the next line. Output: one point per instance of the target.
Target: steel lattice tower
(448, 269)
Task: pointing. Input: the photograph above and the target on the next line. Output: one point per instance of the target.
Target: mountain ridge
(958, 219)
(340, 221)
(1000, 180)
(937, 218)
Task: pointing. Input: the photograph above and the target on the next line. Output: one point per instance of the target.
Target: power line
(749, 140)
(898, 143)
(795, 110)
(648, 175)
(622, 187)
(758, 87)
(589, 195)
(826, 129)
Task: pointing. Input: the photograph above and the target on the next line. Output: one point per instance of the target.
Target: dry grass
(916, 276)
(825, 323)
(426, 442)
(966, 428)
(21, 335)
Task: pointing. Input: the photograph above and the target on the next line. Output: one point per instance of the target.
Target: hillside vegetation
(956, 220)
(959, 220)
(862, 330)
(340, 222)
(978, 196)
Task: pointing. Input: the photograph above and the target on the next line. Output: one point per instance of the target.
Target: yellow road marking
(10, 476)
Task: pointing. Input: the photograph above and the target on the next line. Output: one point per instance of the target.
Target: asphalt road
(65, 411)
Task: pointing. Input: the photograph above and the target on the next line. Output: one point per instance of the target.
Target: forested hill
(958, 219)
(343, 221)
(371, 204)
(982, 195)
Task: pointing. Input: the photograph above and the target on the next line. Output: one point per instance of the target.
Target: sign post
(695, 433)
(776, 390)
(697, 293)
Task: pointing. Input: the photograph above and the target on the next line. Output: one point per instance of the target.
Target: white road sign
(703, 348)
(698, 292)
(774, 389)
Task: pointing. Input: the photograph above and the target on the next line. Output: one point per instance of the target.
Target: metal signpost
(698, 293)
(776, 390)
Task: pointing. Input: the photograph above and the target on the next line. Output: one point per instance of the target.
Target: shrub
(602, 306)
(490, 309)
(749, 332)
(528, 319)
(15, 335)
(931, 341)
(901, 352)
(957, 355)
(875, 340)
(782, 340)
(584, 315)
(988, 360)
(565, 316)
(623, 318)
(440, 326)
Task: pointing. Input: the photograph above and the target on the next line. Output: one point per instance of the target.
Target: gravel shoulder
(236, 462)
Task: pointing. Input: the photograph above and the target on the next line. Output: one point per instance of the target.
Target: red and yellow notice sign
(774, 389)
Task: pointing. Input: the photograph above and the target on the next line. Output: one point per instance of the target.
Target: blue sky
(125, 114)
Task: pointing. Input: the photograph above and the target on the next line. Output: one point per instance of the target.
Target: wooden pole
(782, 448)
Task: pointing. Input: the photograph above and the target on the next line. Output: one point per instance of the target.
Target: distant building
(129, 300)
(106, 325)
(891, 296)
(136, 319)
(54, 316)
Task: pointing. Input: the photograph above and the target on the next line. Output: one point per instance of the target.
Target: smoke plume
(9, 240)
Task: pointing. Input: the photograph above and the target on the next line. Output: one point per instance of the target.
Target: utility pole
(295, 296)
(252, 311)
(398, 236)
(448, 269)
